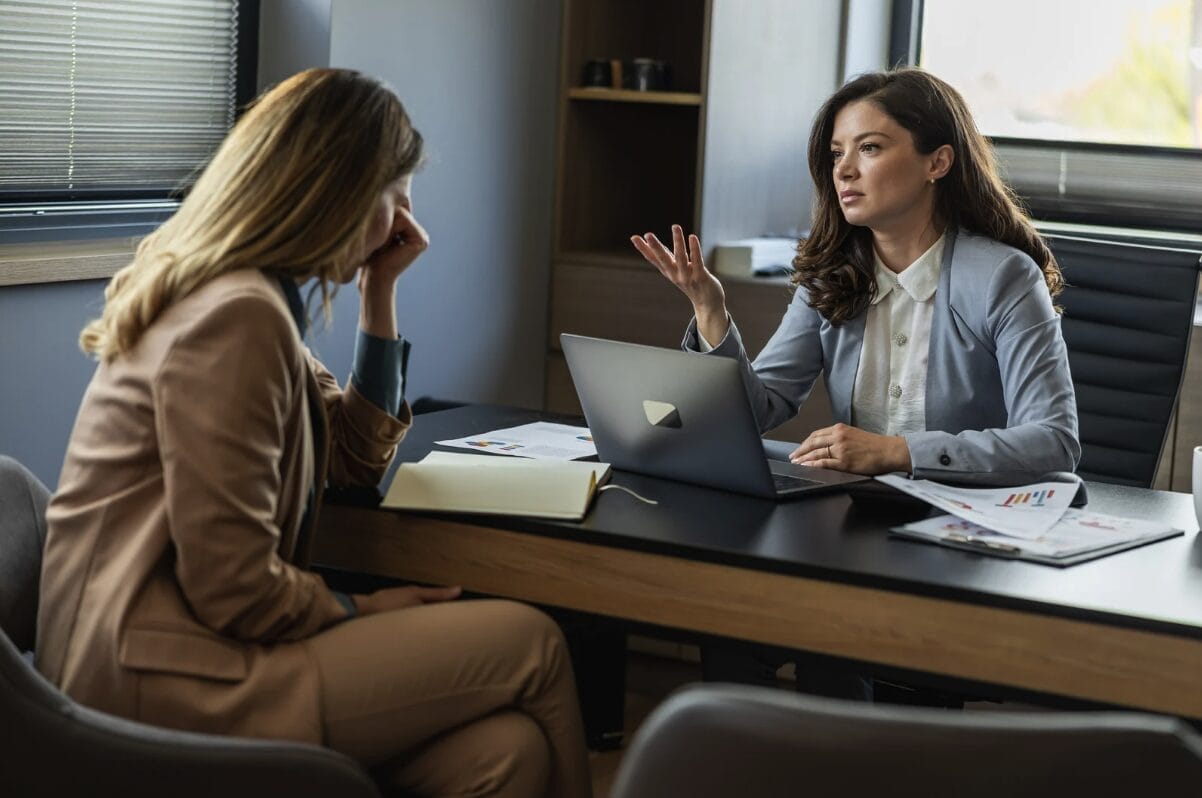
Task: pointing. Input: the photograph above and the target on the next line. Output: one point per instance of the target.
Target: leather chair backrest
(22, 536)
(52, 746)
(714, 741)
(1128, 317)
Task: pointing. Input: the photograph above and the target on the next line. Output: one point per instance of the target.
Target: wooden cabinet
(628, 159)
(721, 153)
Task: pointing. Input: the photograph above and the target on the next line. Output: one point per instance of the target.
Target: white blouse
(889, 396)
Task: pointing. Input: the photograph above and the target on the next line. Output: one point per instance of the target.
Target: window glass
(1123, 72)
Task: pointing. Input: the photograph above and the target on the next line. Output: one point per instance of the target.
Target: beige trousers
(464, 698)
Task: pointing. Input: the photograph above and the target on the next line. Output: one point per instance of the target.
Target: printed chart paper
(1027, 512)
(540, 440)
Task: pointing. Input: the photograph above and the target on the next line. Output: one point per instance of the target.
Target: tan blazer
(172, 585)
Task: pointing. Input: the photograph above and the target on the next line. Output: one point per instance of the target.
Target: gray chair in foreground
(52, 746)
(716, 741)
(1128, 317)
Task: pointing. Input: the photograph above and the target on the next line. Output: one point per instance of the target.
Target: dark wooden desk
(821, 575)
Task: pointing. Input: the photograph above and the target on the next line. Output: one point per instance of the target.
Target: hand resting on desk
(842, 447)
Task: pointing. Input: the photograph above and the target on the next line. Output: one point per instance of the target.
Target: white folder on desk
(1078, 536)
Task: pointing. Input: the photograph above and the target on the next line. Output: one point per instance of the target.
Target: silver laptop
(683, 416)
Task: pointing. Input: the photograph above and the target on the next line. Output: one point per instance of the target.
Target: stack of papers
(1031, 522)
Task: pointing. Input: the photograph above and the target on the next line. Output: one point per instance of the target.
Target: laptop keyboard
(785, 482)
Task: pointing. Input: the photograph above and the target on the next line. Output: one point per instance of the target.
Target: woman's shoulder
(247, 297)
(252, 285)
(974, 251)
(981, 264)
(238, 309)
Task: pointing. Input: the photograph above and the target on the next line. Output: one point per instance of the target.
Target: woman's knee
(503, 755)
(515, 758)
(530, 755)
(532, 627)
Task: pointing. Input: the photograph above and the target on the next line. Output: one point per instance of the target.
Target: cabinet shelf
(630, 96)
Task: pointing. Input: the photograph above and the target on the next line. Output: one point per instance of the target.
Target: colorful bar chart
(1035, 498)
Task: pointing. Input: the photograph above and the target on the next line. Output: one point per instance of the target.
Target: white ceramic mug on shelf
(1198, 483)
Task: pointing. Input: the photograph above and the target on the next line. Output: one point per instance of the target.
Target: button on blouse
(889, 396)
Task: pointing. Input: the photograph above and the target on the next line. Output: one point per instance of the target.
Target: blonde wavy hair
(291, 190)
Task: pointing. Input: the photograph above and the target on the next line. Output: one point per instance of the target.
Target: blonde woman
(173, 590)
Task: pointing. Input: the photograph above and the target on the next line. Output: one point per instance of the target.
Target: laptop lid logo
(661, 414)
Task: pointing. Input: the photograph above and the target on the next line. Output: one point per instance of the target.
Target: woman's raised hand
(684, 266)
(407, 239)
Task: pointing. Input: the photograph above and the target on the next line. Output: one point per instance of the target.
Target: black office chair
(52, 746)
(715, 741)
(1128, 316)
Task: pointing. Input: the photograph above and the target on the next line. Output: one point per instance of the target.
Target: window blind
(1131, 187)
(122, 98)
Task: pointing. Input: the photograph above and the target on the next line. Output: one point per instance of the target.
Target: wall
(293, 35)
(44, 371)
(770, 69)
(479, 80)
(866, 44)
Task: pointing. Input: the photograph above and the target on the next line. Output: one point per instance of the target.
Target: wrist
(346, 602)
(377, 292)
(901, 455)
(711, 318)
(377, 311)
(360, 602)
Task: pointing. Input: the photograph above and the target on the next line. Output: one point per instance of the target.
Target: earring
(931, 181)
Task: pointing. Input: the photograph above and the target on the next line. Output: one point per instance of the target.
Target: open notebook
(477, 483)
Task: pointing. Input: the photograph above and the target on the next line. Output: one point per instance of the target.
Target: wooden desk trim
(1140, 669)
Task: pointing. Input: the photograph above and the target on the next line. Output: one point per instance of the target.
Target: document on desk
(540, 440)
(1079, 535)
(1025, 512)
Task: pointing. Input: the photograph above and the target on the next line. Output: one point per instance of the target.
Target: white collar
(919, 279)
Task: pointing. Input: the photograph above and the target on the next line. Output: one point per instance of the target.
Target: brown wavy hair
(289, 190)
(835, 264)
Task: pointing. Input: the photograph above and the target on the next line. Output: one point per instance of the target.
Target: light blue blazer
(1000, 404)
